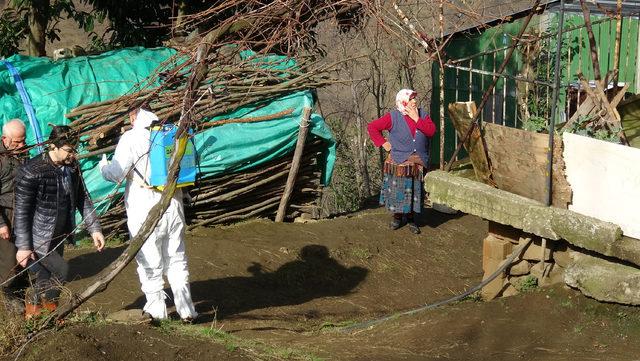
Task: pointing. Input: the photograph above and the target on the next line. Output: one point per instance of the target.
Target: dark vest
(403, 144)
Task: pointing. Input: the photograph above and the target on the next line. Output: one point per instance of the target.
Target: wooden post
(592, 40)
(441, 79)
(295, 164)
(616, 51)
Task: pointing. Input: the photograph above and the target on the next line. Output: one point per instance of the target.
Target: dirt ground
(283, 291)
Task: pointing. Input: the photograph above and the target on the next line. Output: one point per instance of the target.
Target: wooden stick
(248, 120)
(592, 40)
(616, 51)
(295, 164)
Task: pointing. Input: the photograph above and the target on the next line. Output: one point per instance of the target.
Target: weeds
(567, 304)
(329, 326)
(527, 284)
(13, 332)
(474, 297)
(361, 253)
(87, 242)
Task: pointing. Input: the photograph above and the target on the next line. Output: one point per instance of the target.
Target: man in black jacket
(11, 149)
(48, 190)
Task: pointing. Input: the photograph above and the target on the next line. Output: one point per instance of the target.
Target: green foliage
(527, 284)
(542, 60)
(331, 326)
(535, 124)
(474, 297)
(85, 241)
(98, 43)
(567, 304)
(131, 22)
(587, 126)
(344, 189)
(12, 31)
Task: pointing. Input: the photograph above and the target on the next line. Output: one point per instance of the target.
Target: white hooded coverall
(164, 251)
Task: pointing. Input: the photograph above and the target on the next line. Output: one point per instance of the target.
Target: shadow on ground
(90, 264)
(313, 275)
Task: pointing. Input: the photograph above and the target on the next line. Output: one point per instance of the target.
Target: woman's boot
(396, 222)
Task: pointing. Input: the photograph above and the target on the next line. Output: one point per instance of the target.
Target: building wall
(504, 102)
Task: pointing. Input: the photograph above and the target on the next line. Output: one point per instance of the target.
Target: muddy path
(282, 291)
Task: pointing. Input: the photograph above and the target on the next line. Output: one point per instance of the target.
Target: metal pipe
(441, 79)
(554, 106)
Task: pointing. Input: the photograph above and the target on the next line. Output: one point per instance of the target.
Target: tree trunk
(38, 20)
(378, 86)
(364, 185)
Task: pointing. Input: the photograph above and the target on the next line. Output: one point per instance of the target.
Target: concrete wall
(605, 179)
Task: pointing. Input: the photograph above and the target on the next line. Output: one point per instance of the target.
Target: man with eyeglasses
(49, 188)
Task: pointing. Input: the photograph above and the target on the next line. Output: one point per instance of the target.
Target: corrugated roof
(464, 15)
(629, 7)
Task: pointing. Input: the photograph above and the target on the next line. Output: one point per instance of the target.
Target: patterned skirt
(402, 188)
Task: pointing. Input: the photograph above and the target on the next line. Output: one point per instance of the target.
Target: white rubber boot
(156, 306)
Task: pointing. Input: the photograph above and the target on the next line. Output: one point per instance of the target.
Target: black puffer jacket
(40, 200)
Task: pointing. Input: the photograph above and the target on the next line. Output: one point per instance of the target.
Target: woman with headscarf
(410, 130)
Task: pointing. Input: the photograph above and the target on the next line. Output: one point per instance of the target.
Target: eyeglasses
(69, 149)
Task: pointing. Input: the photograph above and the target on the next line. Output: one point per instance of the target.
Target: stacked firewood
(230, 80)
(250, 194)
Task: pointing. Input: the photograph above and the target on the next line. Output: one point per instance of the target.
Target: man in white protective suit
(163, 253)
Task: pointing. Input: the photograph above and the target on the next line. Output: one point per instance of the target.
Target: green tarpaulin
(56, 87)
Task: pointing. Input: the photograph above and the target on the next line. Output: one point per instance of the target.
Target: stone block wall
(541, 263)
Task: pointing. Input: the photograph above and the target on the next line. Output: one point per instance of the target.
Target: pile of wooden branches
(235, 197)
(232, 80)
(231, 84)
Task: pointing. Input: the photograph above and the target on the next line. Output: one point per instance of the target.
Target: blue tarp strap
(26, 102)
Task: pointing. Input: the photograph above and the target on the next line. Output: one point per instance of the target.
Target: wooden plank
(585, 108)
(461, 115)
(518, 159)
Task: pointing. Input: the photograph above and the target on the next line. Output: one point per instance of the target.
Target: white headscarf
(402, 99)
(144, 118)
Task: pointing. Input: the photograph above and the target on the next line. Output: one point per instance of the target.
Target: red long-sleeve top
(375, 128)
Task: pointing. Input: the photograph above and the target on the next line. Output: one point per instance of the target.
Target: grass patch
(362, 253)
(85, 241)
(330, 326)
(13, 332)
(567, 304)
(527, 284)
(474, 297)
(233, 343)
